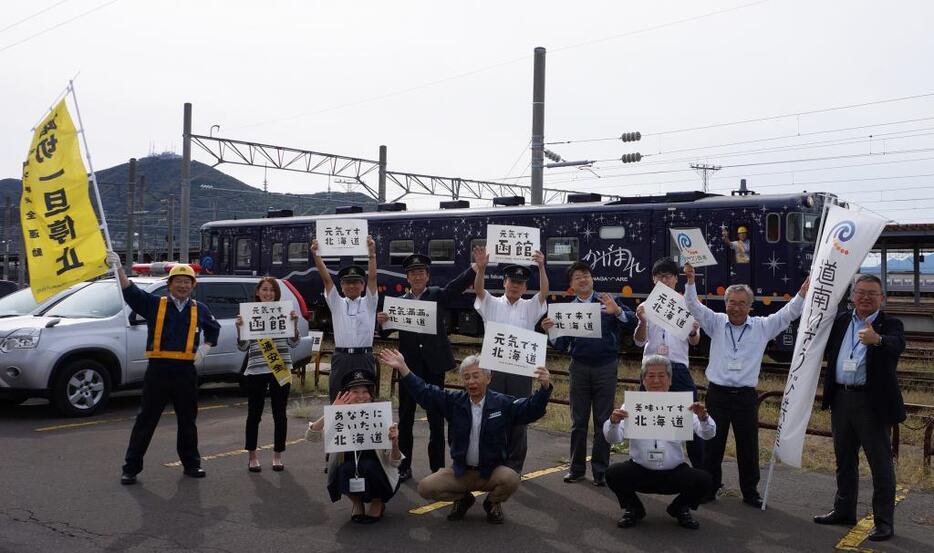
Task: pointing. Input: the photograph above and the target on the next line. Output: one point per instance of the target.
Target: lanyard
(735, 341)
(664, 341)
(854, 341)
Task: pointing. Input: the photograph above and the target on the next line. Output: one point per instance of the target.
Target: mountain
(214, 196)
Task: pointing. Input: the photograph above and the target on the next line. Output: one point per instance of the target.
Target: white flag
(847, 237)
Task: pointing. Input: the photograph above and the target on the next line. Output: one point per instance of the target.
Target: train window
(276, 256)
(811, 227)
(441, 251)
(244, 253)
(298, 252)
(773, 228)
(563, 251)
(205, 242)
(214, 241)
(224, 251)
(399, 250)
(794, 227)
(612, 233)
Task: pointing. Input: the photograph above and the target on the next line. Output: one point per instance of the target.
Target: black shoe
(278, 468)
(195, 472)
(754, 500)
(251, 468)
(461, 506)
(630, 518)
(881, 533)
(599, 481)
(127, 479)
(570, 477)
(494, 512)
(683, 515)
(406, 474)
(835, 517)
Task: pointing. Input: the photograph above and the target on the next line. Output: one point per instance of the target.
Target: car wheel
(81, 389)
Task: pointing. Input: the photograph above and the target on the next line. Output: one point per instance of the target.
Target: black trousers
(343, 363)
(256, 386)
(517, 445)
(178, 384)
(592, 393)
(625, 479)
(367, 467)
(681, 381)
(407, 421)
(737, 407)
(854, 424)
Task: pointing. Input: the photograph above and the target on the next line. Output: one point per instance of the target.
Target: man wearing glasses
(865, 401)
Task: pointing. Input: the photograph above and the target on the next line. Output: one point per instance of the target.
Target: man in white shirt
(512, 309)
(737, 342)
(657, 466)
(353, 316)
(655, 340)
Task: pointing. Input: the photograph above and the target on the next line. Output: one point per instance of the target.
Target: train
(620, 239)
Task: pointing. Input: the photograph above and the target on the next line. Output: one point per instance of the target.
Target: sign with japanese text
(659, 415)
(575, 319)
(511, 349)
(846, 239)
(511, 244)
(410, 315)
(667, 308)
(693, 247)
(61, 234)
(317, 336)
(266, 319)
(357, 427)
(339, 237)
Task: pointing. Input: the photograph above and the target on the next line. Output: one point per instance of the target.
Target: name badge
(657, 455)
(734, 365)
(662, 349)
(849, 365)
(494, 414)
(357, 485)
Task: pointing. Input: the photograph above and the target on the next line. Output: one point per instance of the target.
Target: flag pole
(768, 480)
(93, 177)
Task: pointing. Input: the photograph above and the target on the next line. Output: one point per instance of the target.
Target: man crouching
(479, 422)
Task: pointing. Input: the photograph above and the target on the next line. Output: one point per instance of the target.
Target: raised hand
(370, 245)
(480, 257)
(381, 318)
(314, 248)
(803, 291)
(618, 415)
(689, 272)
(698, 409)
(610, 304)
(539, 259)
(547, 323)
(640, 312)
(543, 376)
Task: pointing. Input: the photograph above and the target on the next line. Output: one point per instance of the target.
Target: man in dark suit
(862, 392)
(427, 355)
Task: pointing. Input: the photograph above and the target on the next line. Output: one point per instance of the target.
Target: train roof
(672, 199)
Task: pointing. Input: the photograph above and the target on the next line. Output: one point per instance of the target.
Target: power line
(27, 18)
(52, 28)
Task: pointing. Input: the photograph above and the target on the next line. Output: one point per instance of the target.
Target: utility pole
(142, 218)
(704, 171)
(538, 126)
(170, 255)
(130, 209)
(186, 183)
(7, 223)
(381, 195)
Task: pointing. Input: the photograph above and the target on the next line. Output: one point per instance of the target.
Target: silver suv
(78, 349)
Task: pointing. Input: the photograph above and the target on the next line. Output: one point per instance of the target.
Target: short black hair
(665, 265)
(578, 266)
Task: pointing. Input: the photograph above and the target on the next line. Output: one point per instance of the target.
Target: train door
(738, 238)
(246, 252)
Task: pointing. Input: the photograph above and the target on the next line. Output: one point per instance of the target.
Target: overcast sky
(448, 86)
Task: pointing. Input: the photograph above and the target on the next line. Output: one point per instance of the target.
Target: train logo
(684, 240)
(841, 232)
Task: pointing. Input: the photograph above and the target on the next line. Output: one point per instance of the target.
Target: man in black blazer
(427, 355)
(862, 392)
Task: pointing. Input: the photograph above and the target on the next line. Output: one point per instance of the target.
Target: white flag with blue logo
(693, 247)
(847, 237)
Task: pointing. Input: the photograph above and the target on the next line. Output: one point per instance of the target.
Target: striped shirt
(256, 363)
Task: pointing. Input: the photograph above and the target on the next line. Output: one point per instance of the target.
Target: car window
(97, 300)
(20, 302)
(224, 298)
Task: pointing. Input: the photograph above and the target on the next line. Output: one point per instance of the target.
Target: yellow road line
(527, 476)
(858, 534)
(107, 421)
(233, 453)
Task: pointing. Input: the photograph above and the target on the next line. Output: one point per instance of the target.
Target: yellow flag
(63, 242)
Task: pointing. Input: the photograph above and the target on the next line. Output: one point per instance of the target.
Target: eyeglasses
(866, 293)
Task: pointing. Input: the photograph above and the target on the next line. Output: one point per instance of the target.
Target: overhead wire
(56, 26)
(36, 14)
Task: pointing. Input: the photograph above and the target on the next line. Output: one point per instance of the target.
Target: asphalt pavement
(61, 492)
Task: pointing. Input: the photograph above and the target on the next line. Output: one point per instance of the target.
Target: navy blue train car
(620, 239)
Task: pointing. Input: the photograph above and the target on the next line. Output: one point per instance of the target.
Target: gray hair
(654, 360)
(867, 278)
(472, 361)
(733, 288)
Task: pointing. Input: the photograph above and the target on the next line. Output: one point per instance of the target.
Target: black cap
(579, 266)
(358, 378)
(416, 261)
(517, 273)
(351, 272)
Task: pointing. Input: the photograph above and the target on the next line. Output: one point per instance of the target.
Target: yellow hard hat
(181, 269)
(742, 229)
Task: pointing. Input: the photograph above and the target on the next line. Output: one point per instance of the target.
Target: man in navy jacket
(479, 422)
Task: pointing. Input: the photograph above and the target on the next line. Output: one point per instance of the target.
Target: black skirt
(369, 468)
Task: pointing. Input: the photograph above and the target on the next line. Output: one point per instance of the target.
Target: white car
(87, 343)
